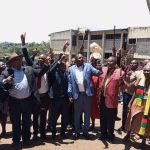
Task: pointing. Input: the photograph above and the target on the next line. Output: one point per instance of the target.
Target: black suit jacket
(59, 83)
(30, 61)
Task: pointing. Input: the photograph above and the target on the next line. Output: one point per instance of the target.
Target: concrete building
(148, 4)
(139, 40)
(132, 40)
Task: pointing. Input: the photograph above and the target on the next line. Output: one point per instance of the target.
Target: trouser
(71, 116)
(126, 99)
(35, 112)
(44, 105)
(71, 112)
(82, 104)
(50, 114)
(20, 112)
(107, 119)
(59, 106)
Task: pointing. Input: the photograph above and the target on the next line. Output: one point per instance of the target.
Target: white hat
(95, 48)
(96, 55)
(96, 51)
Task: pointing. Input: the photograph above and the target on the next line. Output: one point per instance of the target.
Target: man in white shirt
(80, 91)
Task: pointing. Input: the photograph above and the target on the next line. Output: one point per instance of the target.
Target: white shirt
(80, 78)
(20, 89)
(44, 84)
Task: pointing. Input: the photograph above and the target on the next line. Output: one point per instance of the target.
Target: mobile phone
(98, 62)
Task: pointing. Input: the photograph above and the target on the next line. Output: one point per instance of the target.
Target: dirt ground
(70, 144)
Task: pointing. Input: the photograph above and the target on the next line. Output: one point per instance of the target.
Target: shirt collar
(21, 69)
(82, 66)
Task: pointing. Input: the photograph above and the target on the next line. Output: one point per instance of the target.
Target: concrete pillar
(88, 46)
(121, 42)
(103, 47)
(70, 46)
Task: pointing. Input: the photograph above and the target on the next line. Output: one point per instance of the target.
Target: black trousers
(59, 106)
(107, 119)
(39, 109)
(20, 112)
(35, 112)
(50, 114)
(44, 106)
(126, 99)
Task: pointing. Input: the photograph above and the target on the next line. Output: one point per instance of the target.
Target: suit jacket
(29, 72)
(88, 71)
(112, 86)
(59, 83)
(30, 61)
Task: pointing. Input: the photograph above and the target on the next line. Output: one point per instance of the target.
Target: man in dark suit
(40, 104)
(42, 87)
(20, 82)
(59, 83)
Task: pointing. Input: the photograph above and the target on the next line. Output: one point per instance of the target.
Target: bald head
(146, 71)
(73, 60)
(79, 59)
(112, 61)
(78, 56)
(146, 61)
(112, 58)
(42, 59)
(134, 64)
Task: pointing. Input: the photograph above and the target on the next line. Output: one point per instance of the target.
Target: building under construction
(134, 42)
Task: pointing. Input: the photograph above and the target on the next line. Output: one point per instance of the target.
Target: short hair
(114, 58)
(78, 55)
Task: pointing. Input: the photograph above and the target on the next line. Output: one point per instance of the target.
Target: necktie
(39, 82)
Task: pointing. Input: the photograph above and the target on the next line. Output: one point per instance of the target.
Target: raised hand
(9, 79)
(65, 46)
(35, 52)
(23, 37)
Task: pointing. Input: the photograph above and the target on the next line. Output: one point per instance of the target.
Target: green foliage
(8, 47)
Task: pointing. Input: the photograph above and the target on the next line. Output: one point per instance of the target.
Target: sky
(39, 18)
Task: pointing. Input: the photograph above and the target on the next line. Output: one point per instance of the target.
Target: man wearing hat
(20, 82)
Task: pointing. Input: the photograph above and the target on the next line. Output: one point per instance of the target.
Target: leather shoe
(117, 119)
(111, 140)
(126, 138)
(43, 137)
(27, 143)
(76, 136)
(49, 129)
(63, 135)
(121, 129)
(3, 134)
(102, 138)
(35, 138)
(15, 143)
(86, 136)
(53, 136)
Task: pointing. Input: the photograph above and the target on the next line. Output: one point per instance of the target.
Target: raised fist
(23, 36)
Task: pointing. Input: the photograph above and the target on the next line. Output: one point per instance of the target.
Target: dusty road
(70, 144)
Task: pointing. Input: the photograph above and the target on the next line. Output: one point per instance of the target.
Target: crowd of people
(31, 90)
